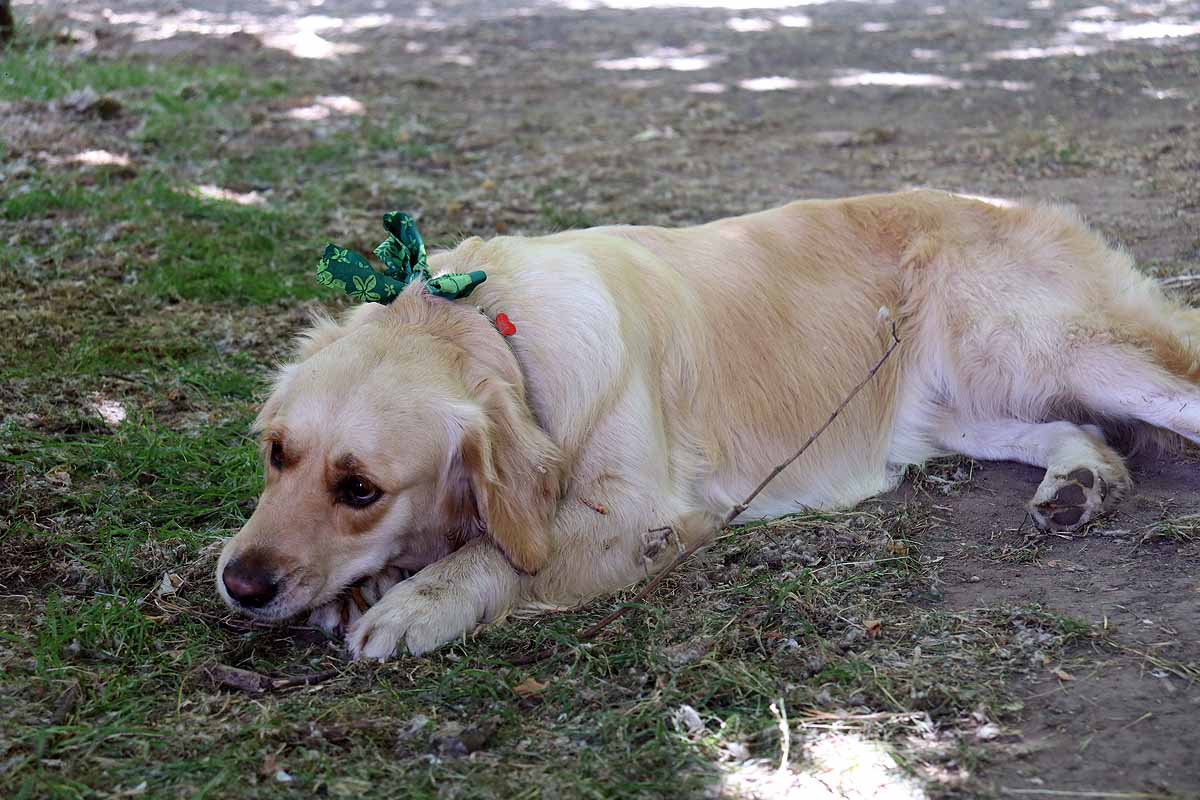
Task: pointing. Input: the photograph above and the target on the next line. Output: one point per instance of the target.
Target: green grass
(208, 250)
(559, 208)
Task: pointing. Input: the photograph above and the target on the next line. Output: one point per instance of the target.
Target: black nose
(250, 581)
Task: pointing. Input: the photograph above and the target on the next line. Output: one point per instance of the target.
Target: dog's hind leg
(1153, 376)
(1084, 476)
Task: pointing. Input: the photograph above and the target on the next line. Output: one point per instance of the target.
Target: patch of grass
(35, 69)
(727, 638)
(1178, 529)
(200, 249)
(192, 479)
(559, 208)
(949, 477)
(1051, 150)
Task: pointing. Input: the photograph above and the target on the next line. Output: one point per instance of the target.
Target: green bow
(403, 254)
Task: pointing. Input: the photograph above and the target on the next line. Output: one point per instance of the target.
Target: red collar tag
(504, 325)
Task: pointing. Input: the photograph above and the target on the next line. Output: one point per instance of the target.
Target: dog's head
(396, 437)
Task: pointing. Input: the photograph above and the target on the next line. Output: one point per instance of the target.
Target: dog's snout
(250, 581)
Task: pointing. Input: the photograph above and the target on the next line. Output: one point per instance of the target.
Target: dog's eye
(276, 455)
(357, 492)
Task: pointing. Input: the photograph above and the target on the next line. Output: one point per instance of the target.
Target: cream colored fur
(660, 374)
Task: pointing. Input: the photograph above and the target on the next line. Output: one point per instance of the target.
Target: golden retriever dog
(657, 375)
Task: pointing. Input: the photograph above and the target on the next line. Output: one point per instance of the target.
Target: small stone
(689, 719)
(986, 733)
(737, 751)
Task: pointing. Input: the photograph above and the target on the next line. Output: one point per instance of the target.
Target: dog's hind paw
(1068, 500)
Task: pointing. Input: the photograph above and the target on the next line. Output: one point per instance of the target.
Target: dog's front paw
(339, 615)
(419, 614)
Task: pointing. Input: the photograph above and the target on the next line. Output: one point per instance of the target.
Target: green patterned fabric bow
(403, 255)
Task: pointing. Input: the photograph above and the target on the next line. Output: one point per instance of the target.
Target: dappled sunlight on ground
(731, 5)
(111, 411)
(1165, 94)
(795, 21)
(307, 44)
(763, 24)
(774, 83)
(1054, 51)
(749, 24)
(295, 33)
(857, 78)
(845, 766)
(210, 192)
(100, 158)
(1131, 31)
(680, 60)
(326, 105)
(863, 78)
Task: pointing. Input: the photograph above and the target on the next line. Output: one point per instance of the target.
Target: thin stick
(591, 632)
(256, 683)
(779, 711)
(304, 680)
(737, 510)
(1179, 280)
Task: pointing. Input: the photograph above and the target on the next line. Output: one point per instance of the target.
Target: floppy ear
(504, 479)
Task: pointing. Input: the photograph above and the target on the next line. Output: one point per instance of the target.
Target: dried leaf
(529, 687)
(170, 584)
(1062, 674)
(470, 740)
(350, 787)
(874, 628)
(689, 719)
(986, 733)
(236, 678)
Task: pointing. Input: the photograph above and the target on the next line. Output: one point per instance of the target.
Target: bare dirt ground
(555, 114)
(1118, 721)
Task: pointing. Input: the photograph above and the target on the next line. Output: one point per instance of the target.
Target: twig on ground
(303, 680)
(256, 683)
(779, 712)
(1179, 280)
(592, 631)
(1186, 672)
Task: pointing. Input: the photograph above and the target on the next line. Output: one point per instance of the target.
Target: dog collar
(403, 254)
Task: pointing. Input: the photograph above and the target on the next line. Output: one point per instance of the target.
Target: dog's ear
(503, 478)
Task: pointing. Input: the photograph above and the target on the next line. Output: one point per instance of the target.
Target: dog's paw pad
(1068, 502)
(1083, 476)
